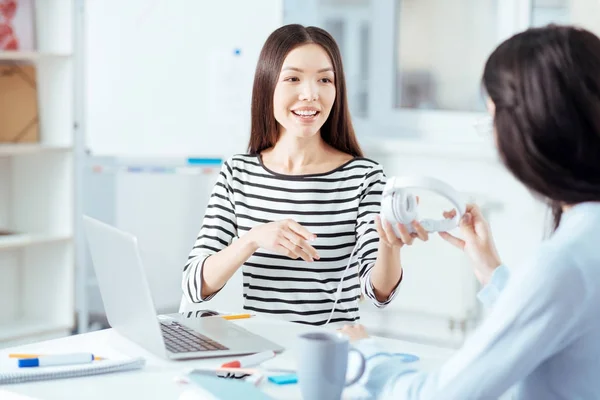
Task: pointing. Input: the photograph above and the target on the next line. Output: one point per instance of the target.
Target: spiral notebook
(71, 371)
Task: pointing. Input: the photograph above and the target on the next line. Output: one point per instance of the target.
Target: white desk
(157, 379)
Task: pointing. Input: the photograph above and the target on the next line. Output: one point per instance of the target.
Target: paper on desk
(196, 394)
(225, 389)
(6, 395)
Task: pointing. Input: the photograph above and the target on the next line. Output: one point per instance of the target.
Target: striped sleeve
(218, 230)
(367, 236)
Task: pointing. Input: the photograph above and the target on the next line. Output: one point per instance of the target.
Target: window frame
(512, 16)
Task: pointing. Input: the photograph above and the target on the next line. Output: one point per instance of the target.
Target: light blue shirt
(542, 336)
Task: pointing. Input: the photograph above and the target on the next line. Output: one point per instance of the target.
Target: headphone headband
(399, 205)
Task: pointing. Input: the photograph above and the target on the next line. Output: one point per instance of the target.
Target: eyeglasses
(484, 126)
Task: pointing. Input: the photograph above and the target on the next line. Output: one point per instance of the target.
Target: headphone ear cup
(411, 204)
(406, 207)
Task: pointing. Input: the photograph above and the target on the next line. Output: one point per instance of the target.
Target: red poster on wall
(16, 25)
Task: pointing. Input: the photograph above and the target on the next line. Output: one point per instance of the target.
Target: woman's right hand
(285, 237)
(476, 242)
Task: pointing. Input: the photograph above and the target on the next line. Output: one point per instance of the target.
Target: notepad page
(20, 375)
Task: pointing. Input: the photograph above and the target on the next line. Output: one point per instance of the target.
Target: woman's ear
(491, 107)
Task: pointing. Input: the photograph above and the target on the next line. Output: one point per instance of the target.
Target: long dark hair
(545, 84)
(337, 130)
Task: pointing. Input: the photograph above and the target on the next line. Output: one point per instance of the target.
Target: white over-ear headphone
(398, 205)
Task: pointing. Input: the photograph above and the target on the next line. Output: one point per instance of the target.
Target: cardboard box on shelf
(18, 104)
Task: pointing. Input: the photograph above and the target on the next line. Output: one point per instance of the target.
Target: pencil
(236, 316)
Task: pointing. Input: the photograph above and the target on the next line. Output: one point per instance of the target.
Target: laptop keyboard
(181, 339)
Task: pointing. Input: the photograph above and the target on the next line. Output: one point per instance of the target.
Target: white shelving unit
(37, 193)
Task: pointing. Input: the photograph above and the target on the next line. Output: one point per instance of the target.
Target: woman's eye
(291, 79)
(326, 80)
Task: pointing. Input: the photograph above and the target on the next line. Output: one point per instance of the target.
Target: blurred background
(125, 111)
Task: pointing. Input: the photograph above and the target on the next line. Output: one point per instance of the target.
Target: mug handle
(361, 369)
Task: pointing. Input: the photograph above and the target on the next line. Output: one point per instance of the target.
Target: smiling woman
(302, 71)
(303, 200)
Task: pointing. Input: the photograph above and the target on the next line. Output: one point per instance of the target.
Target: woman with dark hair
(543, 332)
(303, 199)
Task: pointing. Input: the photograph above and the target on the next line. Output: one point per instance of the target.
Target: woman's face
(305, 91)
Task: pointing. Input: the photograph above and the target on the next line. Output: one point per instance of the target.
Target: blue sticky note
(284, 379)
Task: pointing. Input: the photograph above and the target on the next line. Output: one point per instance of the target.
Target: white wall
(164, 77)
(586, 13)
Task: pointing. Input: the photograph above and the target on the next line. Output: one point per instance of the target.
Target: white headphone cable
(338, 292)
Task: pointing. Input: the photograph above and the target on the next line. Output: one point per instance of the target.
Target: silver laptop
(130, 309)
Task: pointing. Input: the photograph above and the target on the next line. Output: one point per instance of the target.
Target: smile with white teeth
(305, 113)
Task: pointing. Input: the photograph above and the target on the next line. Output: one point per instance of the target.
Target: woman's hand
(286, 237)
(354, 332)
(477, 242)
(388, 237)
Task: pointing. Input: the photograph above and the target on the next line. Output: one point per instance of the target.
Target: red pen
(249, 361)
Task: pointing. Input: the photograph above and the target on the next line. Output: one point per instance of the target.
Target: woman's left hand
(387, 235)
(354, 332)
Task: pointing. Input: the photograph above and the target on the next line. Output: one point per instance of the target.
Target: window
(440, 49)
(544, 12)
(584, 13)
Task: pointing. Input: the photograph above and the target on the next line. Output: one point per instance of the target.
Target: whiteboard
(172, 77)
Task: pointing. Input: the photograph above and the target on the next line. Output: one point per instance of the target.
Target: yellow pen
(27, 356)
(236, 316)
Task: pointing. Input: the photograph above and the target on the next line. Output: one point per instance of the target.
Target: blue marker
(58, 359)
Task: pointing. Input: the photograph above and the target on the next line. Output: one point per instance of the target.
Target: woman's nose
(309, 92)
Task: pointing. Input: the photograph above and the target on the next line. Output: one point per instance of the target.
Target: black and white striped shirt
(338, 206)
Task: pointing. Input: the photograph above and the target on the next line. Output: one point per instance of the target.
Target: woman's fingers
(391, 235)
(294, 251)
(386, 232)
(354, 332)
(299, 230)
(450, 214)
(286, 251)
(453, 240)
(420, 232)
(297, 240)
(405, 236)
